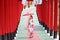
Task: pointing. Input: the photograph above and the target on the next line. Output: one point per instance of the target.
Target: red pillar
(20, 8)
(39, 12)
(2, 17)
(51, 16)
(7, 15)
(45, 15)
(55, 17)
(43, 11)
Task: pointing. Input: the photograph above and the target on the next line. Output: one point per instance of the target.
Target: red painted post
(51, 16)
(20, 8)
(55, 17)
(46, 17)
(39, 12)
(2, 17)
(43, 12)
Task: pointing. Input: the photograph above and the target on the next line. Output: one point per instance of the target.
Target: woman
(30, 26)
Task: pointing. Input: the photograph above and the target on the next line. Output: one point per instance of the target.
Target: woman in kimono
(30, 26)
